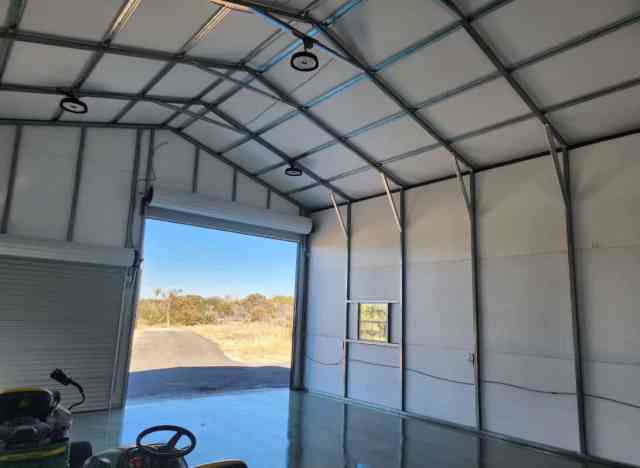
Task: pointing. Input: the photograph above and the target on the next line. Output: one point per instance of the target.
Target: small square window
(373, 322)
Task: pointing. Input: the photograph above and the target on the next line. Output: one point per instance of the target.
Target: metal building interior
(468, 167)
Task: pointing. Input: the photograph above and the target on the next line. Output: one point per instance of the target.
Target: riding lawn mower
(35, 429)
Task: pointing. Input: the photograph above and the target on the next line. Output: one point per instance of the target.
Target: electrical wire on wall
(491, 382)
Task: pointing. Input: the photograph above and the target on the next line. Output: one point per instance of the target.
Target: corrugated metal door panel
(57, 314)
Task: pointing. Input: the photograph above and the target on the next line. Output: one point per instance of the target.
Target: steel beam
(575, 309)
(114, 49)
(327, 128)
(237, 168)
(403, 300)
(8, 201)
(504, 72)
(76, 184)
(265, 144)
(196, 170)
(60, 123)
(128, 242)
(35, 89)
(477, 308)
(345, 344)
(248, 5)
(300, 324)
(395, 97)
(14, 16)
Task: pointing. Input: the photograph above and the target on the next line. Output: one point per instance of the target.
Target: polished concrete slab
(275, 428)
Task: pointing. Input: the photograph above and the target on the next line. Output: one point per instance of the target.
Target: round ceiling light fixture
(305, 61)
(74, 105)
(293, 171)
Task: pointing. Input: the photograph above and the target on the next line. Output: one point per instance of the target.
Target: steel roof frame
(14, 16)
(125, 13)
(568, 45)
(632, 83)
(504, 72)
(281, 154)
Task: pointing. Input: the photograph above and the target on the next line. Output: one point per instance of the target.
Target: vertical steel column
(575, 311)
(76, 184)
(345, 344)
(134, 184)
(403, 299)
(234, 186)
(268, 199)
(300, 316)
(196, 170)
(8, 201)
(475, 285)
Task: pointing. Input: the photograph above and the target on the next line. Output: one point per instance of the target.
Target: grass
(250, 342)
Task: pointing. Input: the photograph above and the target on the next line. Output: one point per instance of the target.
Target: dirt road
(169, 363)
(168, 348)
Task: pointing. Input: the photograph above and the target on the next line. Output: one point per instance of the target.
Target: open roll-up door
(200, 210)
(61, 305)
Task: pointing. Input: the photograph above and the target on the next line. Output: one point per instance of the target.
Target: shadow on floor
(194, 381)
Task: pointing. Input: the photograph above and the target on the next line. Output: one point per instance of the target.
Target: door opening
(215, 312)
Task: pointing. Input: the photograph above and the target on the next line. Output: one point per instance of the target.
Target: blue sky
(215, 263)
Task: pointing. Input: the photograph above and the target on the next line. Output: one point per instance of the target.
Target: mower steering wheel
(168, 450)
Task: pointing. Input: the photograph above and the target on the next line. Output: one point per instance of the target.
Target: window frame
(387, 338)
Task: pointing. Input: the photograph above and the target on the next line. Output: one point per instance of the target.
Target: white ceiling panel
(504, 144)
(253, 156)
(451, 62)
(610, 114)
(183, 118)
(43, 65)
(379, 28)
(392, 139)
(27, 105)
(100, 110)
(268, 116)
(526, 27)
(321, 9)
(332, 161)
(245, 105)
(476, 108)
(251, 193)
(217, 138)
(83, 19)
(121, 74)
(423, 167)
(317, 197)
(296, 136)
(236, 36)
(147, 113)
(277, 44)
(595, 65)
(471, 6)
(164, 25)
(363, 184)
(279, 179)
(183, 81)
(356, 107)
(225, 87)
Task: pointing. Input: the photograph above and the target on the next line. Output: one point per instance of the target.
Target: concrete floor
(276, 429)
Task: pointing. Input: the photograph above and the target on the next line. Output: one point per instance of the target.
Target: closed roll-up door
(64, 315)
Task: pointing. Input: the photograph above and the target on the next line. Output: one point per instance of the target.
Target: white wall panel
(281, 205)
(44, 182)
(214, 177)
(606, 200)
(375, 251)
(326, 304)
(173, 162)
(526, 314)
(250, 192)
(439, 304)
(7, 135)
(105, 187)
